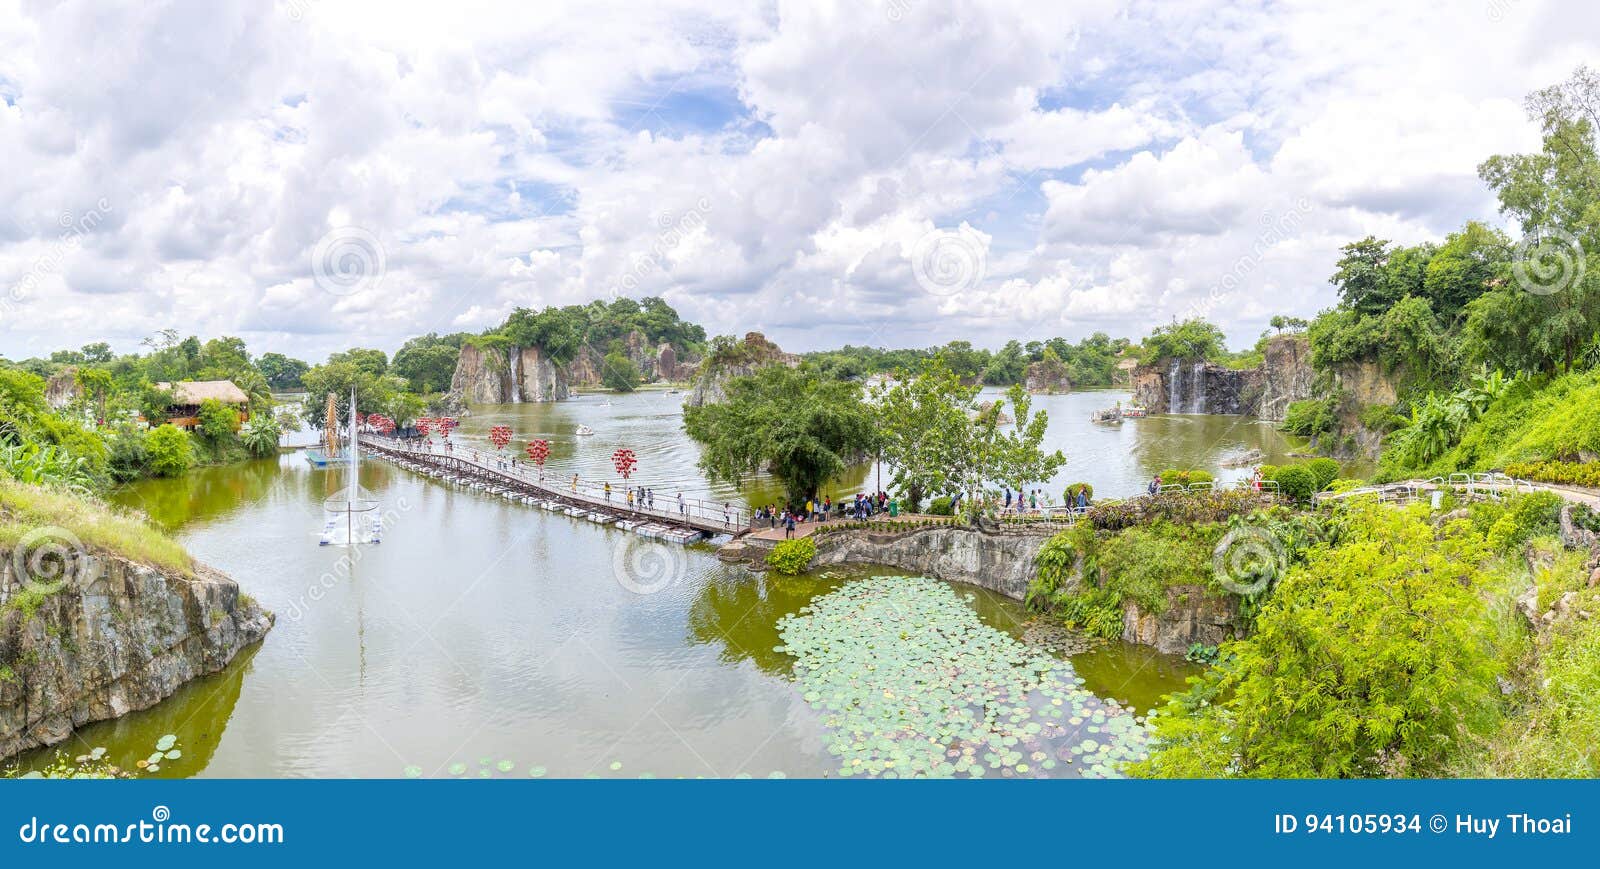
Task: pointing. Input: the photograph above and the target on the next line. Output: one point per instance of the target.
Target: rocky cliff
(1196, 386)
(509, 376)
(739, 360)
(117, 637)
(1191, 616)
(1000, 560)
(1047, 376)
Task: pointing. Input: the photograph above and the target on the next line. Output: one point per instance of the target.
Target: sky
(312, 175)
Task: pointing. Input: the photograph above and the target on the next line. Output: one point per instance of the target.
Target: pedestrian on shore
(1155, 485)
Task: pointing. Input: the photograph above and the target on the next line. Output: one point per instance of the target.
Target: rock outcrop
(1000, 560)
(740, 360)
(1196, 386)
(62, 388)
(1047, 376)
(1191, 616)
(120, 636)
(509, 376)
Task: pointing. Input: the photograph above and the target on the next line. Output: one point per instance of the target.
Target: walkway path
(501, 472)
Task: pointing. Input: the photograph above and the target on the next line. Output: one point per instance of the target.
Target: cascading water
(516, 375)
(1197, 389)
(1174, 388)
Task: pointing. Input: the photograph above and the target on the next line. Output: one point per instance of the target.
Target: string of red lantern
(446, 425)
(499, 435)
(538, 451)
(424, 425)
(624, 461)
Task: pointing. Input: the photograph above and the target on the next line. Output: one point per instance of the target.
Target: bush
(940, 507)
(790, 557)
(1382, 418)
(1172, 477)
(1323, 472)
(1525, 517)
(1189, 509)
(128, 458)
(1071, 493)
(260, 436)
(218, 421)
(1585, 474)
(170, 450)
(1309, 417)
(1296, 482)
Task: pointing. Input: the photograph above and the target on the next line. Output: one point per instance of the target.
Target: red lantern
(538, 451)
(385, 425)
(446, 425)
(623, 461)
(499, 435)
(424, 425)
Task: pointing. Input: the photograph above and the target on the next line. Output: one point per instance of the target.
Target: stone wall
(1193, 386)
(1000, 561)
(1191, 616)
(119, 638)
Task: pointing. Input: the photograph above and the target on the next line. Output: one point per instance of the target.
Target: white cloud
(760, 167)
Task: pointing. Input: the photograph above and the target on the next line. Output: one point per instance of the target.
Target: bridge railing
(661, 506)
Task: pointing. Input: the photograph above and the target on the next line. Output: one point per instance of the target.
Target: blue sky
(899, 173)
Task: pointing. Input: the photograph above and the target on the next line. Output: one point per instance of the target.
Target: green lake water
(483, 634)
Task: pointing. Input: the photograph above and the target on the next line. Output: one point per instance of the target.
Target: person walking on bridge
(608, 491)
(682, 510)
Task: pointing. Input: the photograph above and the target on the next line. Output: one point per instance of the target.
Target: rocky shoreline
(118, 637)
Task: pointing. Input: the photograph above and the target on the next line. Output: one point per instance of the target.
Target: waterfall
(1174, 388)
(516, 375)
(1197, 400)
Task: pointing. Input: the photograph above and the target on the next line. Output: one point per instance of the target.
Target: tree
(218, 422)
(1362, 278)
(1375, 657)
(428, 362)
(618, 372)
(802, 427)
(924, 421)
(260, 436)
(282, 372)
(1464, 268)
(97, 384)
(374, 393)
(1012, 454)
(1282, 324)
(374, 362)
(169, 450)
(1191, 339)
(97, 353)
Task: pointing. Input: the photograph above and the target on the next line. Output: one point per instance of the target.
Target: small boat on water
(1115, 415)
(1135, 411)
(584, 431)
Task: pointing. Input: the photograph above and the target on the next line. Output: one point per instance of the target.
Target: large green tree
(802, 427)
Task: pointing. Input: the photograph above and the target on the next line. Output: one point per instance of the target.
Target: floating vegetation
(97, 763)
(912, 684)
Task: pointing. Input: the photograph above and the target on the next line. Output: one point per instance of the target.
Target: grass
(26, 509)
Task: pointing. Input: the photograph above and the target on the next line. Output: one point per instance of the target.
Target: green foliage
(260, 436)
(169, 451)
(1525, 517)
(940, 506)
(218, 422)
(1374, 658)
(562, 332)
(128, 459)
(1312, 416)
(1323, 472)
(42, 465)
(1176, 477)
(1190, 339)
(1585, 474)
(801, 427)
(282, 372)
(24, 509)
(1070, 494)
(790, 557)
(1177, 508)
(428, 362)
(1296, 482)
(617, 372)
(1381, 418)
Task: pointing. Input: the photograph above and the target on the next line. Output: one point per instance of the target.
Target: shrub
(1323, 472)
(128, 458)
(1382, 418)
(218, 421)
(260, 436)
(1585, 474)
(1071, 493)
(1171, 477)
(1377, 657)
(1312, 416)
(941, 507)
(790, 557)
(170, 450)
(1296, 482)
(1197, 507)
(1525, 517)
